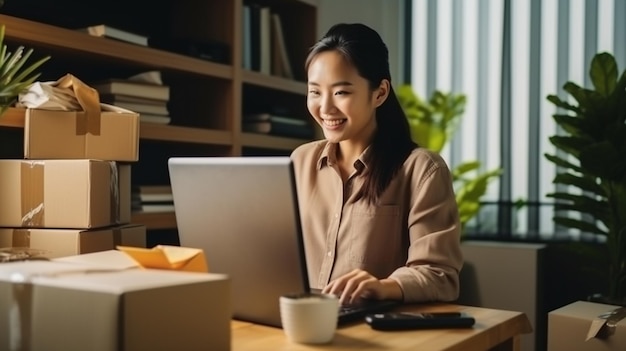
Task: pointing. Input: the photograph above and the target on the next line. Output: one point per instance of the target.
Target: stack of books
(268, 123)
(152, 198)
(144, 93)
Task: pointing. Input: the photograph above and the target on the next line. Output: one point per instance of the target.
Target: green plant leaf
(603, 73)
(570, 144)
(561, 162)
(602, 213)
(583, 201)
(579, 224)
(584, 183)
(563, 104)
(604, 161)
(464, 168)
(15, 75)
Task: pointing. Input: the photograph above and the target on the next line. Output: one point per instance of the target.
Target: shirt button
(330, 253)
(336, 215)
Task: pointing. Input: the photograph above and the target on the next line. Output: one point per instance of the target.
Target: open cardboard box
(576, 327)
(104, 302)
(65, 120)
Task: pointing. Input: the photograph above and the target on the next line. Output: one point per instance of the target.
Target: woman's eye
(341, 92)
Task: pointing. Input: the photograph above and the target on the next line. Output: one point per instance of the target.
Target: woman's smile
(333, 123)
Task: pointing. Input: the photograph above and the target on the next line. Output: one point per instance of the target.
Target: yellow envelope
(168, 257)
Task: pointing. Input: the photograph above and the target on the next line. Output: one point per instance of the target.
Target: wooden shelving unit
(207, 98)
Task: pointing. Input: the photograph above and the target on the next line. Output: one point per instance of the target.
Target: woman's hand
(360, 284)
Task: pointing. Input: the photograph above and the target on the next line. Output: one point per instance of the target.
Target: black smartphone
(423, 320)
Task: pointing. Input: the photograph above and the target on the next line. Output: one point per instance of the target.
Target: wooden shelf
(46, 36)
(207, 99)
(13, 117)
(155, 220)
(164, 132)
(270, 142)
(272, 82)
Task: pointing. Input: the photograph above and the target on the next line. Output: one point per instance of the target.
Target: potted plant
(591, 160)
(14, 76)
(432, 124)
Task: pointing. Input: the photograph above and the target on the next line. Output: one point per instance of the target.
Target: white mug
(309, 318)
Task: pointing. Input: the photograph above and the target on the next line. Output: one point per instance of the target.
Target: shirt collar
(328, 157)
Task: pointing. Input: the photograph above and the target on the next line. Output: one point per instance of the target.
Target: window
(507, 56)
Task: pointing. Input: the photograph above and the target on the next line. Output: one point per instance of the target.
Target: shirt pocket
(374, 234)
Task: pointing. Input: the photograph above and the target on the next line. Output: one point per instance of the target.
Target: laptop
(243, 212)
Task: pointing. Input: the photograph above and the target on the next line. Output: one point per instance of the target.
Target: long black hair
(365, 50)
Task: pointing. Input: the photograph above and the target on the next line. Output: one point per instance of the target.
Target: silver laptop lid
(243, 212)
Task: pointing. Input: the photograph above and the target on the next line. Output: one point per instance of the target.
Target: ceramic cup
(309, 318)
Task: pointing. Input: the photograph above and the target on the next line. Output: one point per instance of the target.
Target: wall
(385, 16)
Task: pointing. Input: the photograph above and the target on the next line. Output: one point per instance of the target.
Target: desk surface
(494, 329)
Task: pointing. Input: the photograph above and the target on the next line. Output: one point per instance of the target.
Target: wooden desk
(494, 330)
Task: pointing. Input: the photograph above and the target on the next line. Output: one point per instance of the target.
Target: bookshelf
(207, 98)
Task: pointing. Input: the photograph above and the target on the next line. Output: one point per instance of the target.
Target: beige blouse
(412, 236)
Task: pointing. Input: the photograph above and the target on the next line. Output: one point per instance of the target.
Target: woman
(379, 214)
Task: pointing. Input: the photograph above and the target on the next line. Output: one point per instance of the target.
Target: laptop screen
(243, 212)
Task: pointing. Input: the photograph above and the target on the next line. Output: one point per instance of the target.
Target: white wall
(382, 15)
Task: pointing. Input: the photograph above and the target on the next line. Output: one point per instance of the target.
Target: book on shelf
(152, 198)
(255, 36)
(148, 77)
(114, 99)
(152, 189)
(258, 37)
(266, 40)
(106, 31)
(150, 118)
(267, 116)
(141, 108)
(155, 207)
(281, 64)
(267, 123)
(279, 129)
(247, 60)
(130, 88)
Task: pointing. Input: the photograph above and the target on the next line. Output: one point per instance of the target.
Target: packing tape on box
(21, 237)
(605, 324)
(89, 100)
(32, 183)
(115, 193)
(614, 317)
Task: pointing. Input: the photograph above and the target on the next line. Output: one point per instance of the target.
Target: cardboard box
(67, 242)
(108, 135)
(570, 326)
(67, 306)
(64, 193)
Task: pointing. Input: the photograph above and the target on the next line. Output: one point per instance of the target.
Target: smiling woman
(378, 213)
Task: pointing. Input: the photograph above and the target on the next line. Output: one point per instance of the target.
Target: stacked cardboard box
(71, 192)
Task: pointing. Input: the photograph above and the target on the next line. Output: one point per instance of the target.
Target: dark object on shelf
(206, 50)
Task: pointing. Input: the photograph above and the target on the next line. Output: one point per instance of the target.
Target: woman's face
(340, 100)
